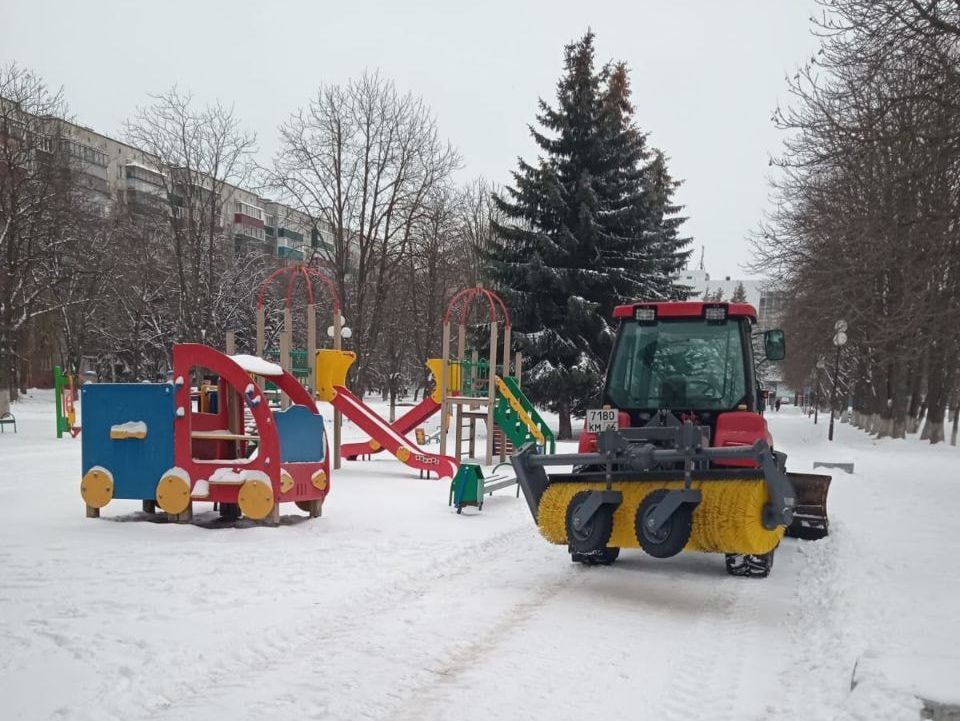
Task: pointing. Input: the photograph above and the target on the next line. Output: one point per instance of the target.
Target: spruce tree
(739, 294)
(587, 227)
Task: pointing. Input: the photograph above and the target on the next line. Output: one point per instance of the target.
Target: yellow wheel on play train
(96, 488)
(256, 499)
(173, 493)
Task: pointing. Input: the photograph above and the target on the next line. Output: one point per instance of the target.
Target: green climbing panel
(300, 368)
(516, 423)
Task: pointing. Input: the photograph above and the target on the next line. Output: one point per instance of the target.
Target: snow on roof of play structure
(255, 364)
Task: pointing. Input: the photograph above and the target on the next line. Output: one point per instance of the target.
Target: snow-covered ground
(391, 606)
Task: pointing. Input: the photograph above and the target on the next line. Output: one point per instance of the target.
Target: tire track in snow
(447, 672)
(706, 681)
(292, 642)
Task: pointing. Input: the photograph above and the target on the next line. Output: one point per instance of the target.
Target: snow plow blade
(738, 511)
(810, 514)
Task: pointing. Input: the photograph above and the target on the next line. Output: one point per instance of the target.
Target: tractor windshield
(682, 364)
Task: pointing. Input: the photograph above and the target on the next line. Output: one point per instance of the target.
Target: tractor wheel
(749, 566)
(602, 557)
(592, 537)
(672, 536)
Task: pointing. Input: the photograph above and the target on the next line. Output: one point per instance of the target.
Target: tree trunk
(956, 421)
(565, 431)
(936, 395)
(921, 415)
(898, 401)
(913, 410)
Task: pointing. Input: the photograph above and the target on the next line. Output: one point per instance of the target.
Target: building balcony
(141, 173)
(288, 253)
(249, 232)
(242, 219)
(291, 235)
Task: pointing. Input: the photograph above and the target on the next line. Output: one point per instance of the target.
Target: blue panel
(136, 464)
(301, 435)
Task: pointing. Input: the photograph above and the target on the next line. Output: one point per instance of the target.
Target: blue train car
(128, 432)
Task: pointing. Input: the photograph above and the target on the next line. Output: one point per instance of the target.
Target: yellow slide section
(453, 380)
(332, 367)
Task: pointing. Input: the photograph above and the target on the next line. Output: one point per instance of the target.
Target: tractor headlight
(645, 315)
(718, 312)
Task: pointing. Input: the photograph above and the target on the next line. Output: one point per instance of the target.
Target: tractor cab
(692, 359)
(679, 361)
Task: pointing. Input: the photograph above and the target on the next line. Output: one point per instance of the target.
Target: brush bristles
(726, 521)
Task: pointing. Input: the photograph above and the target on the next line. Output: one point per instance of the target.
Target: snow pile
(257, 365)
(201, 489)
(230, 477)
(130, 429)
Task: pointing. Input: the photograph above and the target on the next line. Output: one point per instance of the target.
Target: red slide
(403, 425)
(384, 434)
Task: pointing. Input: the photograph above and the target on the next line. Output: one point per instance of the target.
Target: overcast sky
(706, 74)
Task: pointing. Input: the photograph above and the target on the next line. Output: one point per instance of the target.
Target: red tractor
(679, 457)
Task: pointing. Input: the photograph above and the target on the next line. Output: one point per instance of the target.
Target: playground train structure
(222, 440)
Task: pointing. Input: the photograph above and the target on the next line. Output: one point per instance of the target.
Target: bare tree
(866, 219)
(477, 216)
(361, 160)
(202, 155)
(39, 208)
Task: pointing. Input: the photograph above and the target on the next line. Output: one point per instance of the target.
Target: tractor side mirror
(774, 345)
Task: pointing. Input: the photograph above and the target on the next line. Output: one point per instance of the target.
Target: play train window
(219, 430)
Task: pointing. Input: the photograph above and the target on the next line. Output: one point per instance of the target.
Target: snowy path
(393, 607)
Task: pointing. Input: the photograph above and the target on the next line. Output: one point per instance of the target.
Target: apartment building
(112, 172)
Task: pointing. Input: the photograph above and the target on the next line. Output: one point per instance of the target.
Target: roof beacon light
(717, 312)
(647, 315)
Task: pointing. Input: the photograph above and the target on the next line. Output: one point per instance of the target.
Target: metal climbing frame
(480, 401)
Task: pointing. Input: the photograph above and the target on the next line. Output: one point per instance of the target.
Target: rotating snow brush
(662, 499)
(726, 520)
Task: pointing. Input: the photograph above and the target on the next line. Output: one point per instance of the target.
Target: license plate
(602, 419)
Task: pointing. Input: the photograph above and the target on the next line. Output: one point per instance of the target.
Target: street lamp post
(839, 340)
(821, 364)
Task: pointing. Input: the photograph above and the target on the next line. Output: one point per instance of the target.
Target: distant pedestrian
(777, 405)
